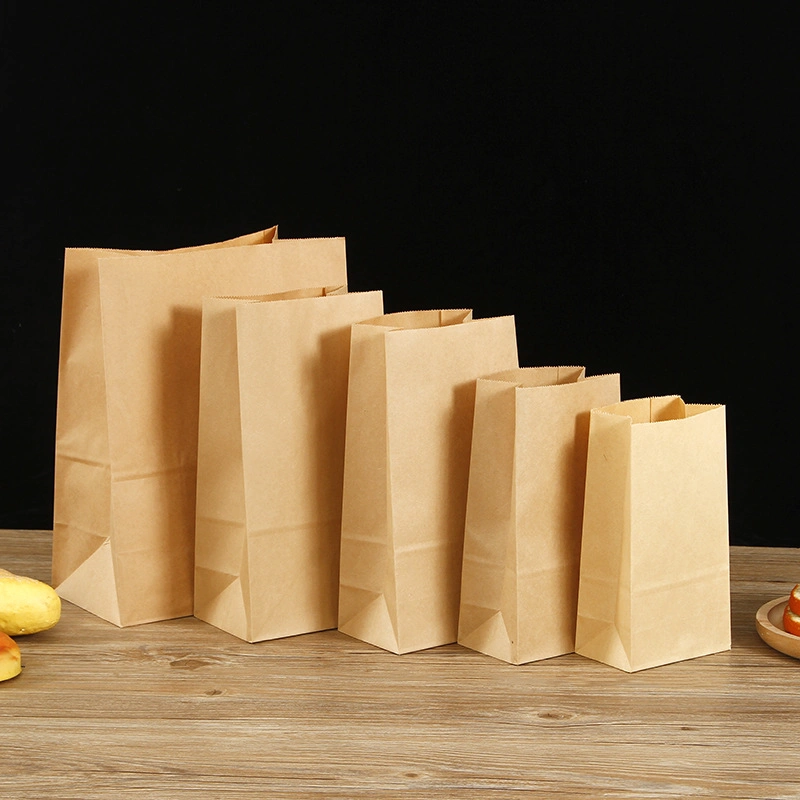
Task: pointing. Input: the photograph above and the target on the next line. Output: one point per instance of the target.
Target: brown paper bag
(127, 434)
(273, 400)
(519, 585)
(654, 577)
(409, 426)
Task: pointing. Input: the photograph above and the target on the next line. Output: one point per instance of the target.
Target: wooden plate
(769, 624)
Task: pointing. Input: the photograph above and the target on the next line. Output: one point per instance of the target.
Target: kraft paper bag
(126, 446)
(273, 401)
(654, 576)
(519, 583)
(409, 427)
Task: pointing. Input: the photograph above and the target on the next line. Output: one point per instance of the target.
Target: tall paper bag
(409, 427)
(123, 544)
(82, 487)
(654, 577)
(519, 584)
(273, 400)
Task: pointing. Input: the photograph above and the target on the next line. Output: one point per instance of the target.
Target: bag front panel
(679, 539)
(293, 377)
(551, 454)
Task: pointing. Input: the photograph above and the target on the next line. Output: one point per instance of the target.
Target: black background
(620, 177)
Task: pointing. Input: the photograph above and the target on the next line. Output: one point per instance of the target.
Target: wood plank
(181, 707)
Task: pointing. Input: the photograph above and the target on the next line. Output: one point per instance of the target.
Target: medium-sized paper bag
(123, 543)
(409, 426)
(654, 577)
(273, 401)
(519, 585)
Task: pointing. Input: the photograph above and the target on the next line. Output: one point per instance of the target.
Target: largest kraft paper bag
(82, 490)
(407, 448)
(519, 585)
(654, 576)
(127, 434)
(273, 399)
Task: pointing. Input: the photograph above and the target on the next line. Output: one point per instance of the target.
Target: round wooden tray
(769, 624)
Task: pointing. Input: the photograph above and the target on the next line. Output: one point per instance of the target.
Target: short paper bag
(654, 578)
(519, 585)
(126, 440)
(409, 427)
(273, 401)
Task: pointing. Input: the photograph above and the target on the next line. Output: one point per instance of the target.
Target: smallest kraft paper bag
(654, 576)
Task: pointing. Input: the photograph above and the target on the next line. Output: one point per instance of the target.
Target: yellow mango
(26, 605)
(10, 660)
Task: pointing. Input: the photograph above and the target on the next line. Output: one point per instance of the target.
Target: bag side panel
(603, 625)
(367, 595)
(220, 576)
(488, 606)
(82, 493)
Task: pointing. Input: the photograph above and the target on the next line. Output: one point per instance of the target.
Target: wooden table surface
(181, 709)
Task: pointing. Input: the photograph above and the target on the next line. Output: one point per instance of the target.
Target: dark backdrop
(620, 177)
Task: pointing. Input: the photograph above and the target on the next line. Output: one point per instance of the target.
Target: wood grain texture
(179, 708)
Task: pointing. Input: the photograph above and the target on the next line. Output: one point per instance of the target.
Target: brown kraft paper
(519, 585)
(273, 401)
(128, 402)
(409, 426)
(654, 576)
